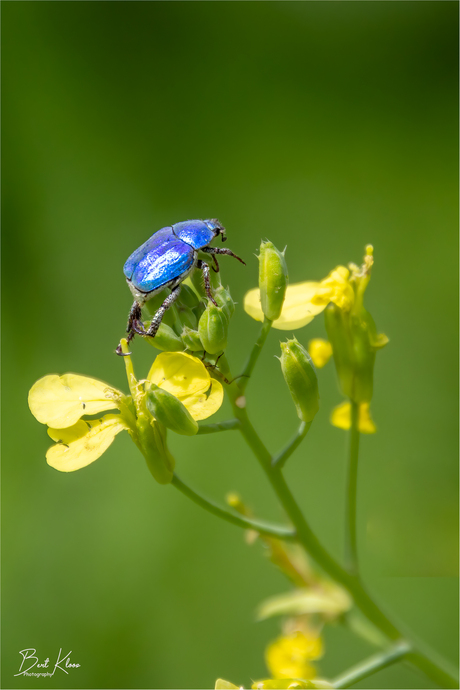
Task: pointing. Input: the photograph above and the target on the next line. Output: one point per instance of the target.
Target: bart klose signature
(63, 663)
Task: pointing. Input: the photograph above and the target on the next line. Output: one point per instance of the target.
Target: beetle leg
(135, 314)
(207, 283)
(215, 268)
(220, 250)
(157, 319)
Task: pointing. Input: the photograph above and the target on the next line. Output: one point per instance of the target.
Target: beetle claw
(122, 354)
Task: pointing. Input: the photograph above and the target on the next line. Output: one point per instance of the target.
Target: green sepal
(168, 410)
(300, 375)
(166, 340)
(152, 442)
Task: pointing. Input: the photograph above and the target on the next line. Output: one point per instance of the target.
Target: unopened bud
(213, 327)
(225, 301)
(300, 376)
(191, 339)
(273, 280)
(338, 331)
(168, 410)
(166, 340)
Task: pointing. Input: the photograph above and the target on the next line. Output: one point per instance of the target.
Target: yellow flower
(186, 377)
(62, 402)
(320, 351)
(341, 418)
(304, 301)
(336, 288)
(289, 655)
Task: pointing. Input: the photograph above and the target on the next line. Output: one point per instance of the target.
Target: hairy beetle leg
(207, 283)
(220, 250)
(157, 319)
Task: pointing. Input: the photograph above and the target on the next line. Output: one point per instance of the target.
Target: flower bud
(166, 340)
(186, 316)
(213, 327)
(188, 297)
(300, 376)
(337, 327)
(225, 301)
(191, 339)
(168, 410)
(273, 280)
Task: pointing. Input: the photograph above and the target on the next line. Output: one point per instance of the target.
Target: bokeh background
(320, 125)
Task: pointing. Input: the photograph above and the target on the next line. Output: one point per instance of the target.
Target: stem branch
(254, 355)
(280, 459)
(218, 426)
(246, 523)
(372, 665)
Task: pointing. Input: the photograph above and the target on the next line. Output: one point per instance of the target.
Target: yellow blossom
(289, 655)
(341, 418)
(304, 301)
(320, 351)
(62, 402)
(186, 377)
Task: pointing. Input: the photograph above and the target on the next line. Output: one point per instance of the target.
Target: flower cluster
(64, 403)
(353, 338)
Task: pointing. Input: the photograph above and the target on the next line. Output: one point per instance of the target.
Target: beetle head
(217, 228)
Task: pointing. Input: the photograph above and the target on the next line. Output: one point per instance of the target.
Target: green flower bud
(338, 332)
(186, 316)
(225, 301)
(363, 356)
(166, 340)
(188, 297)
(213, 327)
(273, 280)
(170, 412)
(300, 376)
(191, 339)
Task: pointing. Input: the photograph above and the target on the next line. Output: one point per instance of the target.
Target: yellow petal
(341, 418)
(201, 405)
(60, 401)
(180, 374)
(336, 288)
(222, 684)
(70, 433)
(84, 449)
(320, 351)
(298, 309)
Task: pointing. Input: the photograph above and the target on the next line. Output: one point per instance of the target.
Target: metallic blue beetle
(164, 261)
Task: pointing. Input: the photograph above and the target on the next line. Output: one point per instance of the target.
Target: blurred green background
(320, 125)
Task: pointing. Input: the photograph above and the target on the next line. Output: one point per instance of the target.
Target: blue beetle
(164, 261)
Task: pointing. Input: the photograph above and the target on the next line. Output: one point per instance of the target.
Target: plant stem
(351, 553)
(254, 355)
(313, 546)
(280, 459)
(372, 665)
(228, 425)
(265, 528)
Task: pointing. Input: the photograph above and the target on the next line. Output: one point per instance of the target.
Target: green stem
(254, 356)
(266, 528)
(312, 545)
(280, 459)
(372, 665)
(228, 425)
(351, 552)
